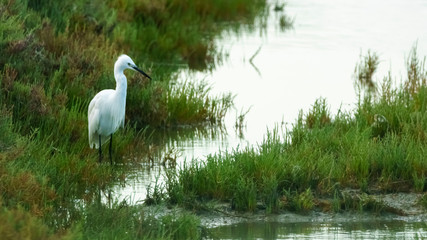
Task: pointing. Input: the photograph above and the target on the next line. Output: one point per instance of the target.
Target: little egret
(106, 111)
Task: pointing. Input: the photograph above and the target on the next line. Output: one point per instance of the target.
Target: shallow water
(316, 58)
(327, 230)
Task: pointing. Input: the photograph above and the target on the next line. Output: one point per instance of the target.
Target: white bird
(106, 111)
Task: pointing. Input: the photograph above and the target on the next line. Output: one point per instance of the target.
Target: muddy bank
(394, 207)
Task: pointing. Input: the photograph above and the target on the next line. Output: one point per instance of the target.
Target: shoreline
(401, 206)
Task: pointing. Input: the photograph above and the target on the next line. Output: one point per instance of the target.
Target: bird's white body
(105, 119)
(106, 111)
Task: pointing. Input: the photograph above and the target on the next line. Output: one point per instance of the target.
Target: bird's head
(125, 62)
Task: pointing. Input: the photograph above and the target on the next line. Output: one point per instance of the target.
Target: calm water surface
(307, 230)
(291, 70)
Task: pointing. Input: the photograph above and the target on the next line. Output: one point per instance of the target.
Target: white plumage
(106, 112)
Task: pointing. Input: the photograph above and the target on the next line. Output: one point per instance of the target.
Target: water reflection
(331, 230)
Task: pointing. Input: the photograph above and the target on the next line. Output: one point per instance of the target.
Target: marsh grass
(364, 72)
(20, 224)
(377, 148)
(184, 101)
(134, 222)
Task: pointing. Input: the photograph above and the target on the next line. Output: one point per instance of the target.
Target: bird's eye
(129, 64)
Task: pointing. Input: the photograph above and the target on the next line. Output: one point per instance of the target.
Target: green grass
(20, 224)
(133, 222)
(377, 147)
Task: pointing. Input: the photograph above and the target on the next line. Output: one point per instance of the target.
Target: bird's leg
(111, 145)
(100, 149)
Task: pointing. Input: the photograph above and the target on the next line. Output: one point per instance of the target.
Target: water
(291, 70)
(328, 230)
(314, 59)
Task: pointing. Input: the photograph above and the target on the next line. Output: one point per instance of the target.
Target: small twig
(252, 58)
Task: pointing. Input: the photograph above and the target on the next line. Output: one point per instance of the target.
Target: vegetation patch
(378, 148)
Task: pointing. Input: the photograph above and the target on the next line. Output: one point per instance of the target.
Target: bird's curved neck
(121, 81)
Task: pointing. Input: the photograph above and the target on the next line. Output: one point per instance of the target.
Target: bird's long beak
(139, 70)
